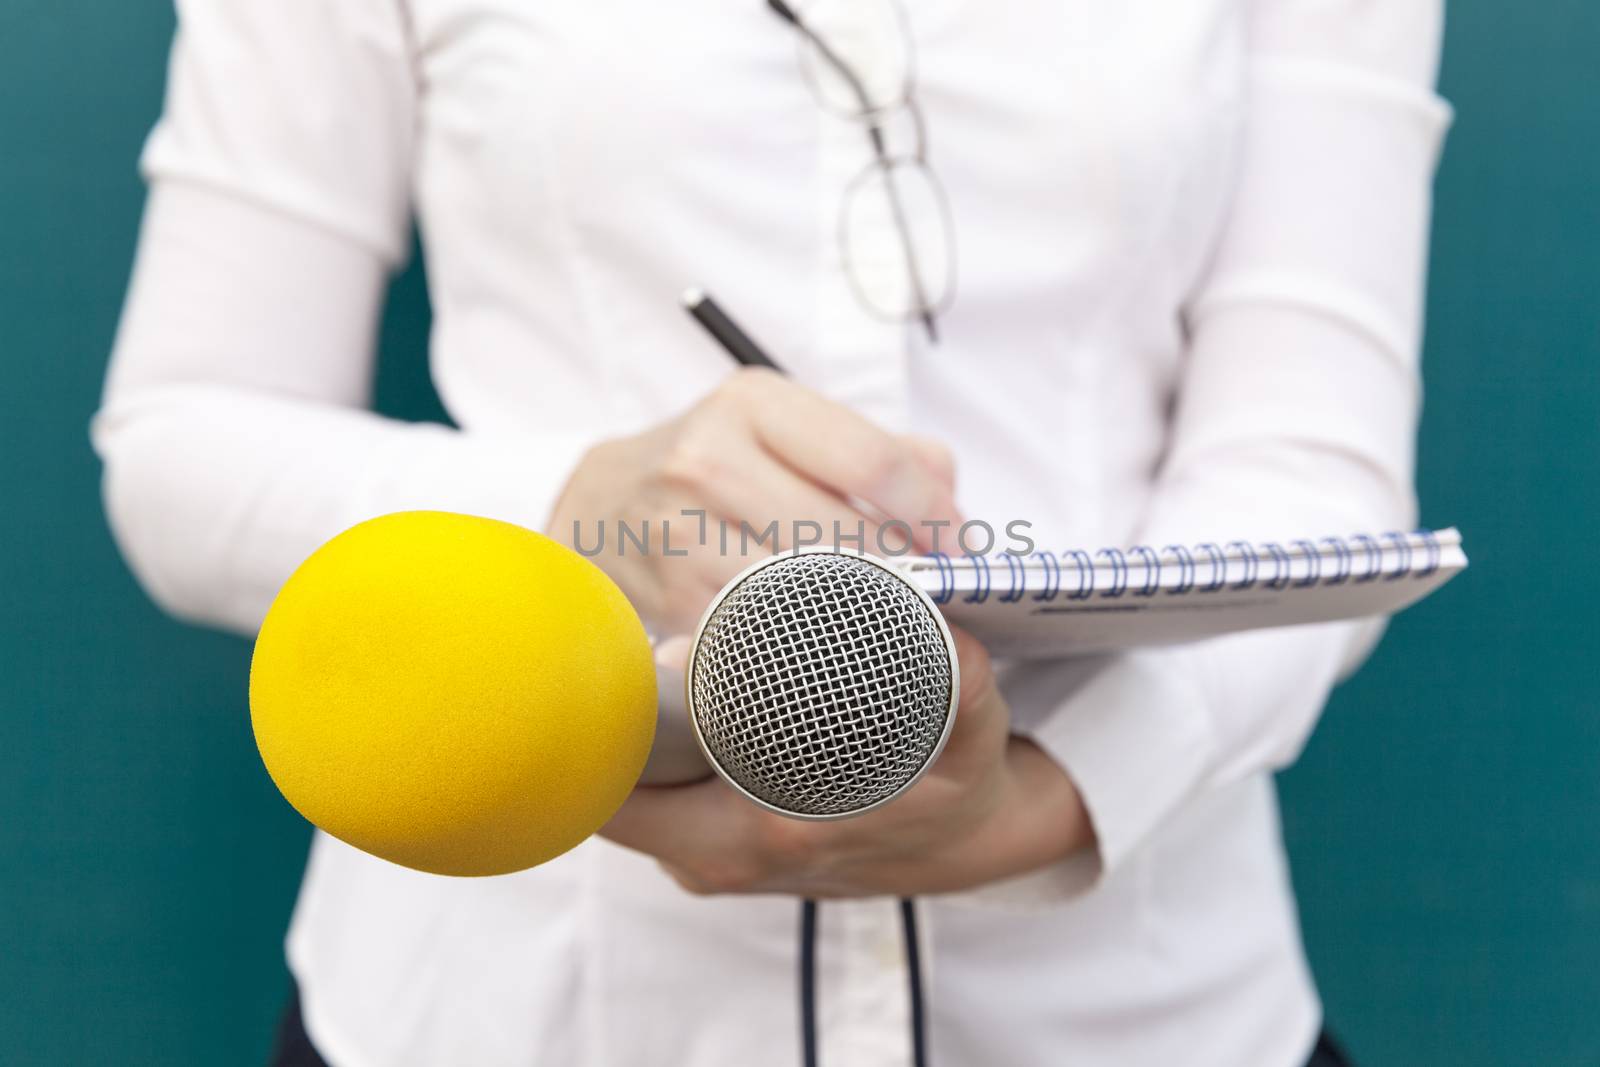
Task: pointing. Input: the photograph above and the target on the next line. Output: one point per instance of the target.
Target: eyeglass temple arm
(789, 15)
(784, 11)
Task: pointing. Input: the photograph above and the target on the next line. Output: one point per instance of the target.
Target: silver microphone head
(822, 684)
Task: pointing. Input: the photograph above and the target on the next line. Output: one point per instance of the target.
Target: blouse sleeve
(234, 426)
(1297, 412)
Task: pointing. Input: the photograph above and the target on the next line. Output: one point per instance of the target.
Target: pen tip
(692, 296)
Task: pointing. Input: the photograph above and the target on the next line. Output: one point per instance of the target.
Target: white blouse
(1191, 239)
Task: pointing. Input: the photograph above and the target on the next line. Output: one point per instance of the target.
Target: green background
(1443, 822)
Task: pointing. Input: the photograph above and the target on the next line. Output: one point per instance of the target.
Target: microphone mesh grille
(821, 684)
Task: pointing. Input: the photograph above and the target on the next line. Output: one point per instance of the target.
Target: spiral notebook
(1068, 603)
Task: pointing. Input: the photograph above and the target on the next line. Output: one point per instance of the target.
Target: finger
(939, 462)
(838, 448)
(932, 453)
(978, 684)
(983, 718)
(690, 571)
(709, 570)
(773, 507)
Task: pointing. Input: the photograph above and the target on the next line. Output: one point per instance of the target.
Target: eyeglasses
(897, 192)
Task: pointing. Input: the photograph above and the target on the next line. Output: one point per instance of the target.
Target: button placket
(865, 359)
(870, 1025)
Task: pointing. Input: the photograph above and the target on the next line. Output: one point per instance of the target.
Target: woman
(1147, 271)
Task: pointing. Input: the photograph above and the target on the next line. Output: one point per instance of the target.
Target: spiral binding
(1074, 575)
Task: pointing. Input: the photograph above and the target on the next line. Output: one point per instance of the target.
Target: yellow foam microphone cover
(454, 694)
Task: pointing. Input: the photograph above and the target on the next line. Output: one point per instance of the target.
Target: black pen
(726, 332)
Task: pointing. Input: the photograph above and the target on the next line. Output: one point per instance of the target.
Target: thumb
(983, 718)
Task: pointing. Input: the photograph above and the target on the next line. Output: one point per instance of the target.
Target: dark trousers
(294, 1048)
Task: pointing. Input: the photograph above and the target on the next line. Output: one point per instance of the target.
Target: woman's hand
(991, 807)
(759, 450)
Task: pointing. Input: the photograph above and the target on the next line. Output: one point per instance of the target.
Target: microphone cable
(908, 928)
(808, 982)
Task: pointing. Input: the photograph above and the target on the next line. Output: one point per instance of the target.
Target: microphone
(453, 694)
(822, 684)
